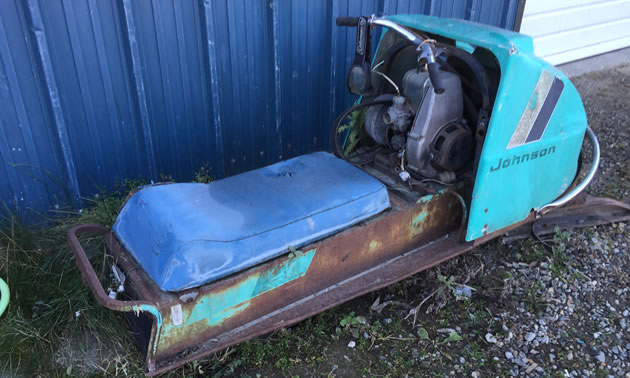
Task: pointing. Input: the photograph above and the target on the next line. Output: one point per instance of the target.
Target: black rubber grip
(436, 78)
(347, 21)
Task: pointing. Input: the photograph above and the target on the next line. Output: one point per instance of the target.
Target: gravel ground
(606, 96)
(567, 312)
(583, 329)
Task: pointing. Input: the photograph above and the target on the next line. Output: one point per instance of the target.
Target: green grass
(530, 251)
(533, 300)
(53, 326)
(558, 249)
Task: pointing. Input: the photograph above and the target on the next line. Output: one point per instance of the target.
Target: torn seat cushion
(186, 235)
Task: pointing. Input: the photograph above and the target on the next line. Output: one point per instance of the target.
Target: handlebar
(399, 29)
(423, 47)
(347, 21)
(382, 21)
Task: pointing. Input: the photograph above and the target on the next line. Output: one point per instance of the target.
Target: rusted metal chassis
(191, 324)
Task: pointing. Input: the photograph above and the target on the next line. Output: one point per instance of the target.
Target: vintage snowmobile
(469, 136)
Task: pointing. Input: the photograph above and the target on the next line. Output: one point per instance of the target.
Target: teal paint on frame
(158, 319)
(418, 221)
(505, 196)
(217, 307)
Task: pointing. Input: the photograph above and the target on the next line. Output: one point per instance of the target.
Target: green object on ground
(4, 296)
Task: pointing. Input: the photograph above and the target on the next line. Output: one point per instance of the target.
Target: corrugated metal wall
(93, 92)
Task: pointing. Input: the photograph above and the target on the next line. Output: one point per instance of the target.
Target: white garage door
(567, 30)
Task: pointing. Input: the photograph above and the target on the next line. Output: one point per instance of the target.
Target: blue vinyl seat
(186, 235)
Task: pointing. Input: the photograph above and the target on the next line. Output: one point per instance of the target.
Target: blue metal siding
(93, 92)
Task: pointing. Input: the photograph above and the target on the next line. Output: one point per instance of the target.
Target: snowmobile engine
(427, 128)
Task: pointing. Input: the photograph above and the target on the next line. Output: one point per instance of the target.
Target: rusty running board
(267, 317)
(372, 279)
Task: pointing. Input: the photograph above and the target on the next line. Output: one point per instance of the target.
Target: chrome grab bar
(581, 186)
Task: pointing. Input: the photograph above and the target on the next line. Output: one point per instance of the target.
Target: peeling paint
(217, 307)
(418, 221)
